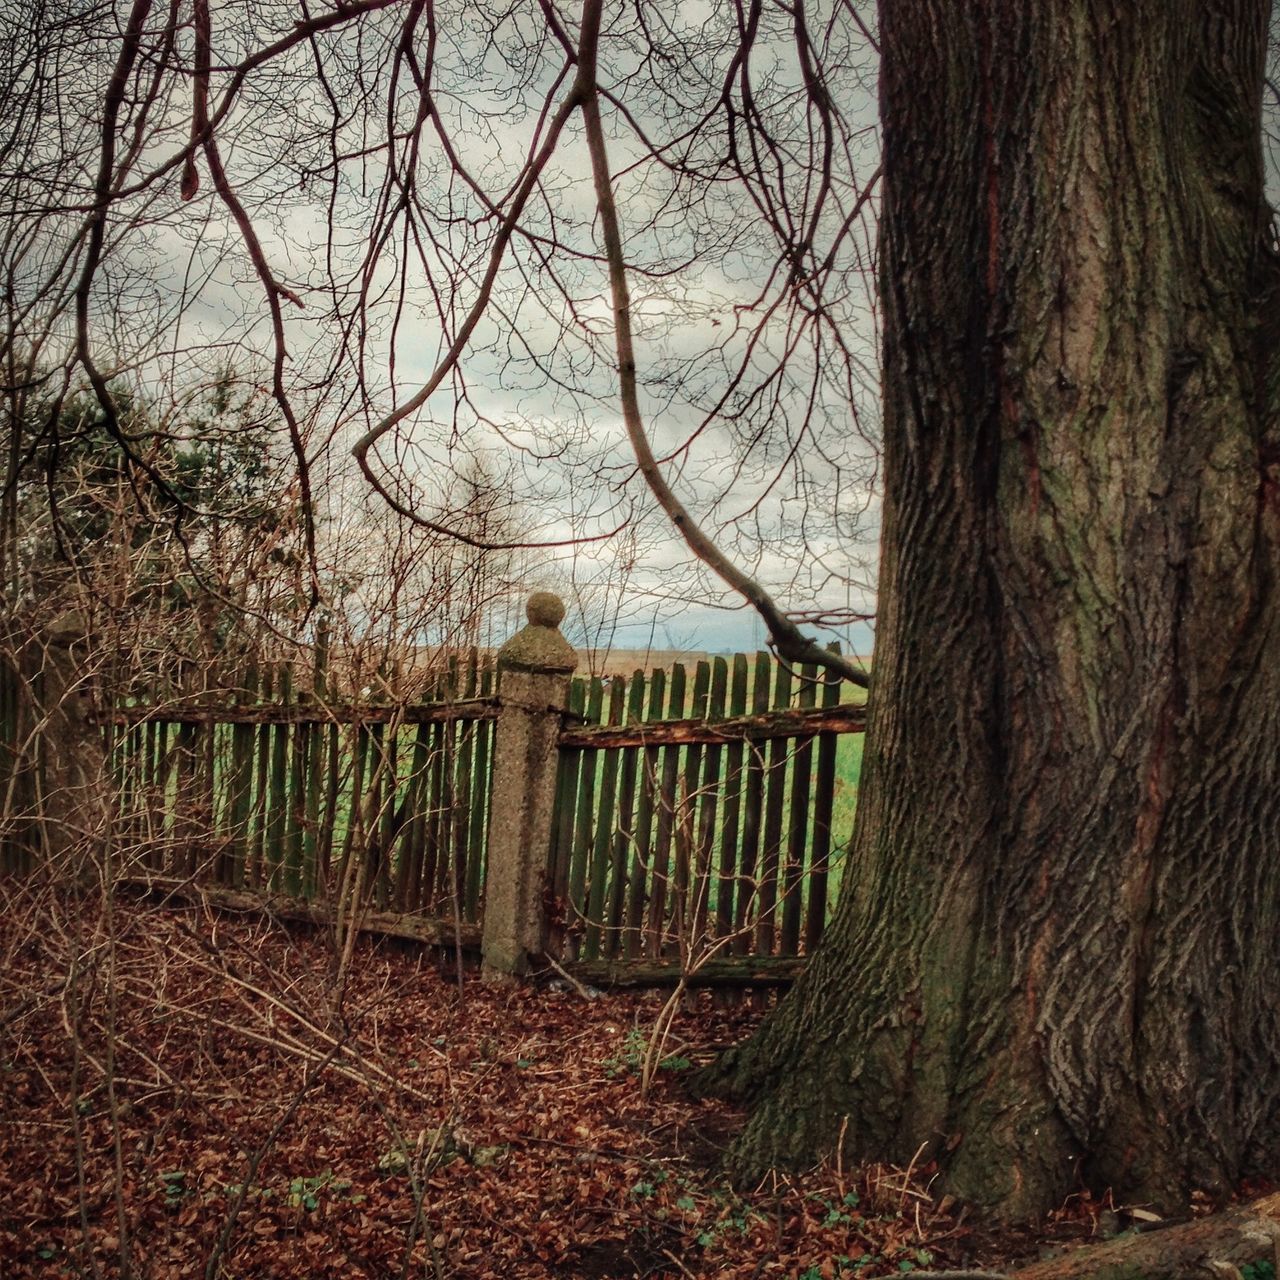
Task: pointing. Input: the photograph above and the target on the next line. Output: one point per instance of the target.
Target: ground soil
(190, 1094)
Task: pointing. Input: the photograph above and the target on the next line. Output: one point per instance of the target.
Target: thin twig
(585, 992)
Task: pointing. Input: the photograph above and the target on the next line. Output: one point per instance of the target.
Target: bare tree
(1056, 971)
(434, 233)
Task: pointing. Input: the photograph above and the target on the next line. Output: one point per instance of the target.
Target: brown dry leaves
(186, 1095)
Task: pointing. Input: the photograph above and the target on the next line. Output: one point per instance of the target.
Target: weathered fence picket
(823, 807)
(797, 823)
(775, 787)
(666, 799)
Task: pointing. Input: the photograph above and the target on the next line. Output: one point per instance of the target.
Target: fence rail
(794, 722)
(305, 713)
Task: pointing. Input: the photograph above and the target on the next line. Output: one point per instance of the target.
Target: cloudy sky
(369, 171)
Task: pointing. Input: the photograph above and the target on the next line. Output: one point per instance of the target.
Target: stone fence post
(534, 668)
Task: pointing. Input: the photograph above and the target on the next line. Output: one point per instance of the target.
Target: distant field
(848, 771)
(622, 662)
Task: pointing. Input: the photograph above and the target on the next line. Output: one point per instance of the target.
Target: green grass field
(848, 771)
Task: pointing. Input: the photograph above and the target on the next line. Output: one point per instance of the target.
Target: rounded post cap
(544, 609)
(540, 646)
(67, 627)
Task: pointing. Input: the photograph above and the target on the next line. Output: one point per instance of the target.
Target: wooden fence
(696, 816)
(299, 797)
(20, 770)
(693, 813)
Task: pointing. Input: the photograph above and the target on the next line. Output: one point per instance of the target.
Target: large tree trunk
(1056, 960)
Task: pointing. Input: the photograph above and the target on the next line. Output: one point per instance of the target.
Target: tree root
(1212, 1248)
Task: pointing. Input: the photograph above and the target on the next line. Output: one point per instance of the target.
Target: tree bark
(1055, 960)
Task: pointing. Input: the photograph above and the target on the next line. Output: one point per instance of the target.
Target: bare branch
(784, 635)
